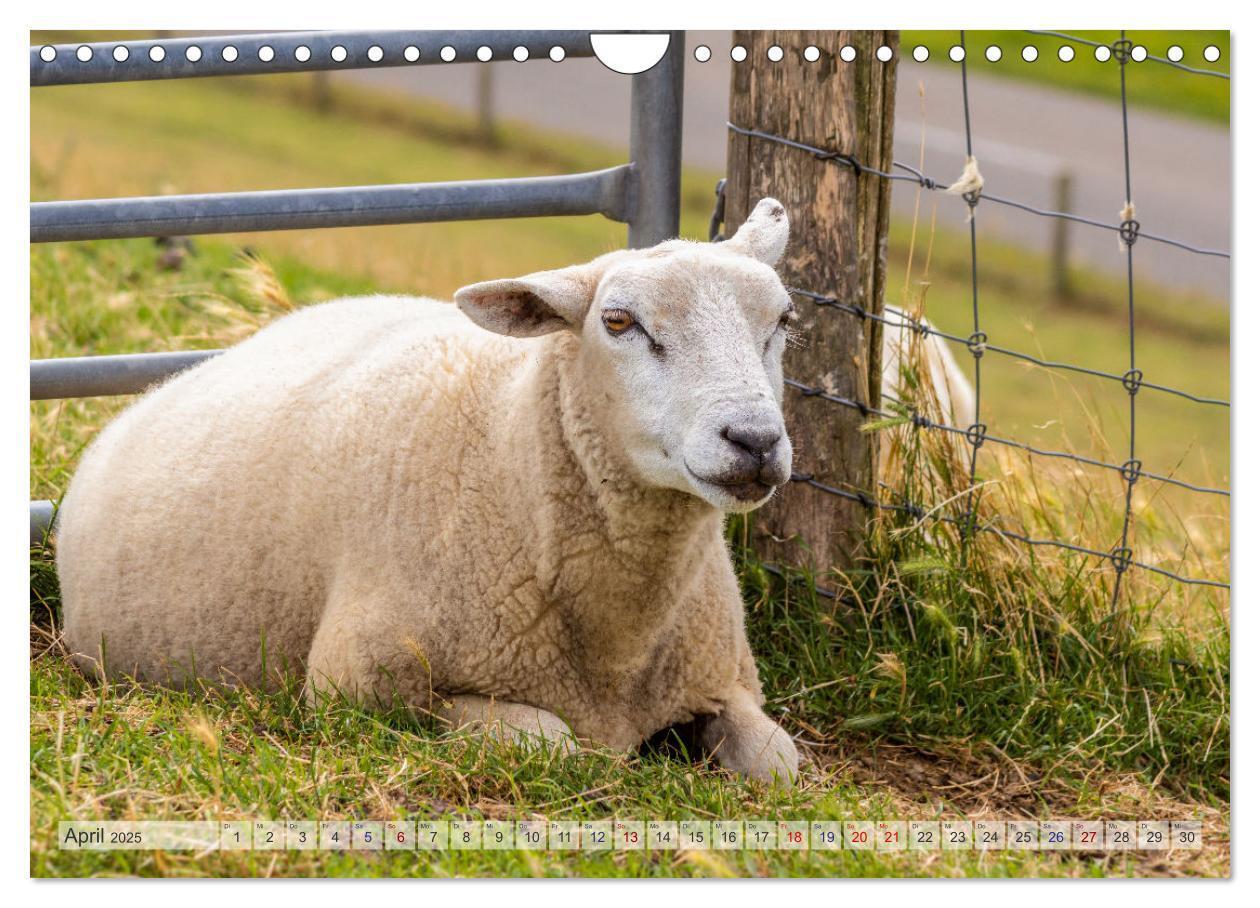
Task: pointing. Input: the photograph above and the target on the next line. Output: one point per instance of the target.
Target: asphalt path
(1025, 138)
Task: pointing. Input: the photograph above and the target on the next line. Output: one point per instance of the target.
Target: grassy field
(1152, 84)
(940, 682)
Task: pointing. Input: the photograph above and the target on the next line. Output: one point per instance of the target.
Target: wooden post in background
(838, 247)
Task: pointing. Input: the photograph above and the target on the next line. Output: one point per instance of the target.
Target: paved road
(1024, 136)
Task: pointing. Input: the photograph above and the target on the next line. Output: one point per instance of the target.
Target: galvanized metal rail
(289, 52)
(603, 192)
(102, 376)
(643, 193)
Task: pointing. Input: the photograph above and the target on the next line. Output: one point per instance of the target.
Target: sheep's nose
(757, 440)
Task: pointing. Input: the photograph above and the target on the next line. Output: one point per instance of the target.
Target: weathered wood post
(838, 248)
(1060, 273)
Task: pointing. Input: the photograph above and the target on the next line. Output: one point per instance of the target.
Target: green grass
(1151, 84)
(978, 664)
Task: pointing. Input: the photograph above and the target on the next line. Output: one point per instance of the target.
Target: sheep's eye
(618, 321)
(788, 316)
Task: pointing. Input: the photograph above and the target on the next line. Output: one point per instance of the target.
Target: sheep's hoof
(511, 723)
(757, 749)
(554, 735)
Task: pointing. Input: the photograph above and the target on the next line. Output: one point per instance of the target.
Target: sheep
(508, 513)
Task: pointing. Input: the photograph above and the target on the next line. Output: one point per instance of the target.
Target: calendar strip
(633, 835)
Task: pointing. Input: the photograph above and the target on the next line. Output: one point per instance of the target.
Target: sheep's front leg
(505, 721)
(745, 740)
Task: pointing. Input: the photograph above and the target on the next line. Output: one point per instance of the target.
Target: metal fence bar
(285, 52)
(603, 192)
(1123, 553)
(41, 520)
(101, 376)
(656, 105)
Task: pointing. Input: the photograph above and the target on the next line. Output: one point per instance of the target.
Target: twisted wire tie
(1121, 557)
(824, 155)
(1131, 470)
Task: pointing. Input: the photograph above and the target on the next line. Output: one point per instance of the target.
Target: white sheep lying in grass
(520, 535)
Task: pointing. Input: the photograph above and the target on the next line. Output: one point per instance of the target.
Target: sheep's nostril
(756, 440)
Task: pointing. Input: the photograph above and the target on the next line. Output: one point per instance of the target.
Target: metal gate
(643, 193)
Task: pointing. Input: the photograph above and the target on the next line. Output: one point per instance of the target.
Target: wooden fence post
(838, 247)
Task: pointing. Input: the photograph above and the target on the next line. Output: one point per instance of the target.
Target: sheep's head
(681, 345)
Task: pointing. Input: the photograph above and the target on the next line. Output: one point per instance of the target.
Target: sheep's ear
(764, 235)
(529, 306)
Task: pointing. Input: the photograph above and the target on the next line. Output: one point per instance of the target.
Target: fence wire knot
(840, 156)
(1123, 50)
(1129, 231)
(1121, 557)
(977, 343)
(1132, 380)
(1131, 470)
(976, 434)
(919, 421)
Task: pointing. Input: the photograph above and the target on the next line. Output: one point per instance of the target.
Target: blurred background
(1047, 133)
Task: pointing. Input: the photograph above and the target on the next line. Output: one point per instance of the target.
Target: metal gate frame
(643, 193)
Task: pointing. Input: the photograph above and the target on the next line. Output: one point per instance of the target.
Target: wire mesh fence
(968, 519)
